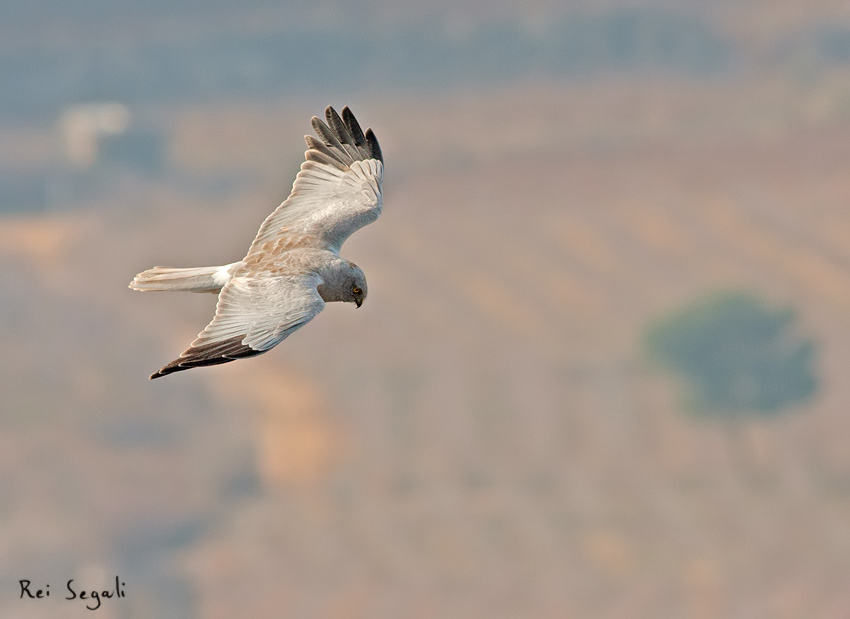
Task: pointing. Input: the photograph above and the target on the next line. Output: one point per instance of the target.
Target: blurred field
(485, 437)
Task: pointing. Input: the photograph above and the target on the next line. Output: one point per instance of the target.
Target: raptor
(293, 266)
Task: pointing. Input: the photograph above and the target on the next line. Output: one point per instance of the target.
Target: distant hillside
(288, 55)
(53, 54)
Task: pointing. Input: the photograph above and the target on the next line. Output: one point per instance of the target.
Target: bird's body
(293, 266)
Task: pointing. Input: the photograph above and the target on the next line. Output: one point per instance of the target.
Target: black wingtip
(374, 147)
(353, 127)
(339, 127)
(168, 369)
(336, 131)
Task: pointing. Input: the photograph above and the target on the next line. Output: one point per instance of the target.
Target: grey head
(343, 281)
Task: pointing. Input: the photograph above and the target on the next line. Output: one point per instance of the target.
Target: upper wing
(338, 189)
(251, 317)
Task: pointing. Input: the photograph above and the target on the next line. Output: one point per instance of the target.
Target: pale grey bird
(293, 267)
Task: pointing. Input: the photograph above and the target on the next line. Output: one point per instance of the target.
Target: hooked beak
(358, 302)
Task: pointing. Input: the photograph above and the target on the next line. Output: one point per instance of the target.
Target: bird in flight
(293, 267)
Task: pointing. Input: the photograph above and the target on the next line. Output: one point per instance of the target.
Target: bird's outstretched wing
(252, 316)
(338, 189)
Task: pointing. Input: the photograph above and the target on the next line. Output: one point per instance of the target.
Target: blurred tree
(736, 354)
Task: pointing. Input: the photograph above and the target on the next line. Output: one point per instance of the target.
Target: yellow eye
(356, 290)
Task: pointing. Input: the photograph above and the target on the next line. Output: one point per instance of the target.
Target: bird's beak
(359, 302)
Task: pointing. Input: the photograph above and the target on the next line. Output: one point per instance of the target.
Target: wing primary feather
(187, 363)
(323, 154)
(319, 145)
(353, 127)
(325, 134)
(335, 123)
(320, 157)
(374, 147)
(180, 366)
(216, 349)
(341, 131)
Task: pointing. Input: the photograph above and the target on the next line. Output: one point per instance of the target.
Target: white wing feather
(336, 192)
(252, 316)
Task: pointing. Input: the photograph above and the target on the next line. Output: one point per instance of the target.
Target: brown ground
(483, 438)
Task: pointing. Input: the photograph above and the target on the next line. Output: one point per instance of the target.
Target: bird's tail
(197, 279)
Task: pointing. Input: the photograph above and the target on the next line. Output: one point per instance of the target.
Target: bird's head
(357, 289)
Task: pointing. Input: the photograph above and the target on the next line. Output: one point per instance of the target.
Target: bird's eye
(356, 290)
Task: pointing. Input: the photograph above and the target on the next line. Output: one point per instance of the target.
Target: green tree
(736, 354)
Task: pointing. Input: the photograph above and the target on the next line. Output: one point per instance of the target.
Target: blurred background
(602, 368)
